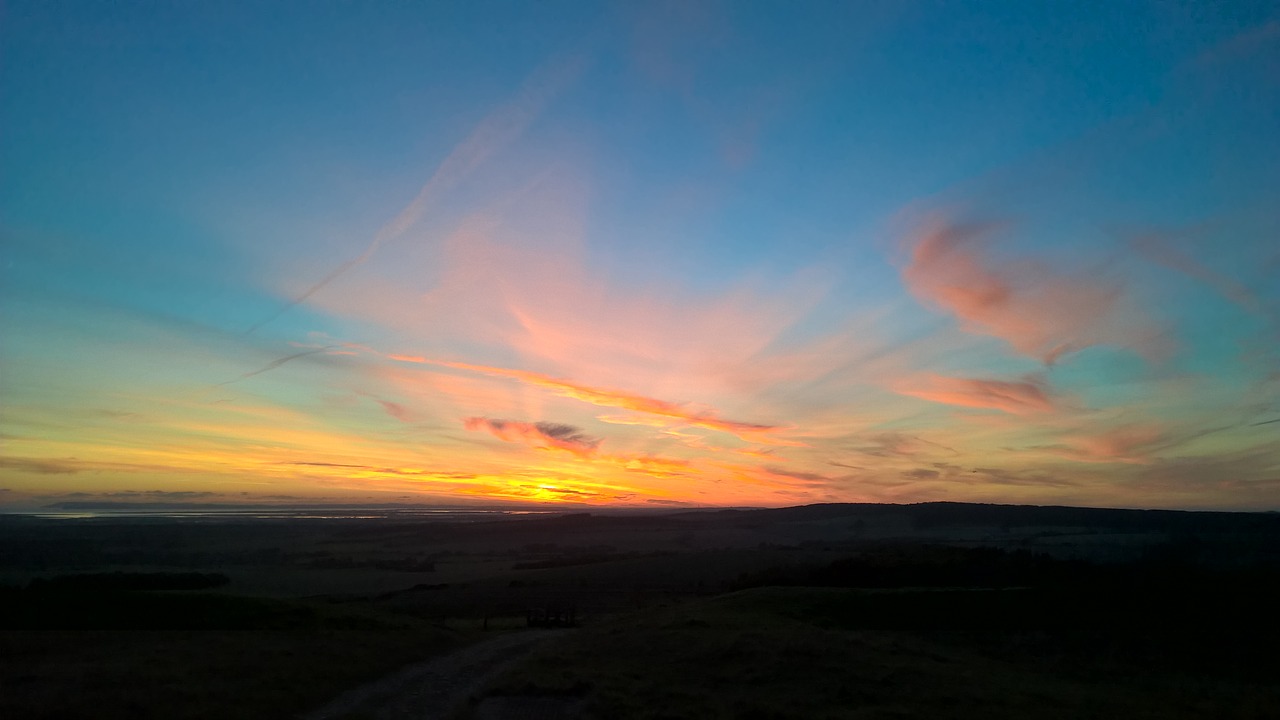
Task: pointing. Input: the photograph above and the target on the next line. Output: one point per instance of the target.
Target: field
(826, 653)
(937, 610)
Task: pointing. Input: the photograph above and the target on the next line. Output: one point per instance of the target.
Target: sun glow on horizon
(608, 261)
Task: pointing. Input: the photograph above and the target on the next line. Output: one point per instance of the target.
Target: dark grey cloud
(538, 434)
(443, 474)
(833, 463)
(797, 475)
(159, 494)
(41, 465)
(896, 444)
(567, 433)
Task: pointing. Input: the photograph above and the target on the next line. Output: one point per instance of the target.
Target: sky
(653, 254)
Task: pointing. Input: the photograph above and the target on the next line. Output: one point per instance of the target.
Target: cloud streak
(681, 413)
(275, 364)
(1158, 250)
(1040, 312)
(539, 435)
(395, 410)
(1017, 398)
(497, 131)
(572, 440)
(1133, 444)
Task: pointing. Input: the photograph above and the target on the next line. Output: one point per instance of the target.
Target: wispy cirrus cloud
(383, 470)
(71, 465)
(681, 413)
(277, 363)
(1024, 397)
(898, 445)
(396, 410)
(495, 132)
(42, 466)
(1132, 443)
(808, 477)
(575, 441)
(1162, 251)
(520, 270)
(1041, 312)
(160, 494)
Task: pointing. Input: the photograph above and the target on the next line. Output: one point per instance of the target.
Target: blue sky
(750, 253)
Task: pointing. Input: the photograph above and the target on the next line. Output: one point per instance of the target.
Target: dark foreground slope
(839, 653)
(942, 610)
(70, 653)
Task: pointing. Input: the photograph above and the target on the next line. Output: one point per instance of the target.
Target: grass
(231, 657)
(775, 653)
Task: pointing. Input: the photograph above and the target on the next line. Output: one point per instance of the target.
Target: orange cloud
(775, 480)
(557, 436)
(651, 465)
(1018, 398)
(759, 453)
(638, 420)
(1040, 312)
(604, 397)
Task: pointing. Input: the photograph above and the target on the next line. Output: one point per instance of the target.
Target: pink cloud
(1132, 444)
(638, 420)
(570, 439)
(511, 281)
(901, 445)
(539, 434)
(396, 410)
(652, 465)
(606, 397)
(1041, 312)
(1017, 398)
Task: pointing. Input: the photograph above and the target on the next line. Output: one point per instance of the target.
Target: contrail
(275, 364)
(498, 130)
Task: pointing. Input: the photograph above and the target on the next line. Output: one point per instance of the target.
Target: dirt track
(434, 688)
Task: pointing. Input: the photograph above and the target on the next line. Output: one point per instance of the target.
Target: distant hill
(950, 514)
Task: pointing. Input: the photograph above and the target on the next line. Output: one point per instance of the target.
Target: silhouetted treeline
(950, 514)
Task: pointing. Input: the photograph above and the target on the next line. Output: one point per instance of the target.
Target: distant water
(328, 512)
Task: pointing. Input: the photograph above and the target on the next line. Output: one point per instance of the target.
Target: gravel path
(433, 688)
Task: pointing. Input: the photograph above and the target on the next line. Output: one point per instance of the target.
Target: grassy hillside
(183, 656)
(826, 653)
